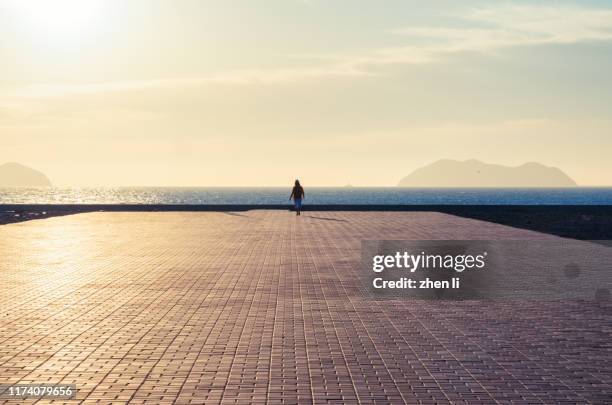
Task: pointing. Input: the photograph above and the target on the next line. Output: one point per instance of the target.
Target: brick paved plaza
(261, 306)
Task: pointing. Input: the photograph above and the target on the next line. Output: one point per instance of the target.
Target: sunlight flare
(58, 17)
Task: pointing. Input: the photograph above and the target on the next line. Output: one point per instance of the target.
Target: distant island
(473, 173)
(17, 175)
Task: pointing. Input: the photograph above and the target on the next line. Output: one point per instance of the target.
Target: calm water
(314, 195)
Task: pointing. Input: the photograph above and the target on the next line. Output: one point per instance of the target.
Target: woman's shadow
(326, 219)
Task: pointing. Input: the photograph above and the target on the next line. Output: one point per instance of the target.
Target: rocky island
(474, 173)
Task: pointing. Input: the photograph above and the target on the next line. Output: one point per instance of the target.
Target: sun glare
(57, 17)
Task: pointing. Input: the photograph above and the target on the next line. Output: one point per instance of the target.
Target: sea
(314, 195)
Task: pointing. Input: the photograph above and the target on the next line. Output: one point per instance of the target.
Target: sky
(258, 93)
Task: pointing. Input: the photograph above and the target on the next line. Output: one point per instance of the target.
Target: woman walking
(297, 194)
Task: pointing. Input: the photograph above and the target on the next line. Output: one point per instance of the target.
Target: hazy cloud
(482, 29)
(488, 29)
(506, 26)
(250, 77)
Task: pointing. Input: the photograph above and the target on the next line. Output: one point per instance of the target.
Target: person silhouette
(297, 194)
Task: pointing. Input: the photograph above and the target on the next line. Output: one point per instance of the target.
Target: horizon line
(311, 186)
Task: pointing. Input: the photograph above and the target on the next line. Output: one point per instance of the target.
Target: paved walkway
(262, 306)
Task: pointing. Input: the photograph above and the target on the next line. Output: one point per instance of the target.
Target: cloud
(483, 29)
(249, 77)
(490, 28)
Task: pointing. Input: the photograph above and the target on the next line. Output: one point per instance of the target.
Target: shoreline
(573, 221)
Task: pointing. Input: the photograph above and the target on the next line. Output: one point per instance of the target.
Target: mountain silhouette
(473, 173)
(16, 175)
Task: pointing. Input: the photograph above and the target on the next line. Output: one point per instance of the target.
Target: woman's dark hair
(297, 183)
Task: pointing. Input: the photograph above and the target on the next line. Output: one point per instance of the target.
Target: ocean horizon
(314, 195)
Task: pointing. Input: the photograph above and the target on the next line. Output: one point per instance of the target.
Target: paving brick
(261, 306)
